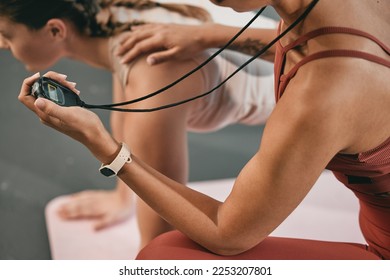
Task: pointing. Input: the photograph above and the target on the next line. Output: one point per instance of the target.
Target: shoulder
(317, 102)
(327, 84)
(114, 42)
(337, 97)
(119, 69)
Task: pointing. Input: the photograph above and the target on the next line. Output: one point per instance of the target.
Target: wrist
(215, 35)
(208, 38)
(113, 168)
(103, 146)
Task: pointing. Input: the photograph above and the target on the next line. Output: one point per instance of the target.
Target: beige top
(247, 98)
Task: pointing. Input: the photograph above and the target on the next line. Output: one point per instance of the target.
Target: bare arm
(292, 155)
(249, 42)
(168, 41)
(293, 152)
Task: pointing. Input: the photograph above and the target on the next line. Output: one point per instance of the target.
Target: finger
(72, 87)
(41, 105)
(61, 78)
(137, 30)
(104, 222)
(146, 46)
(78, 210)
(137, 48)
(131, 41)
(49, 113)
(56, 76)
(68, 211)
(162, 56)
(128, 40)
(82, 194)
(48, 110)
(25, 92)
(143, 26)
(29, 81)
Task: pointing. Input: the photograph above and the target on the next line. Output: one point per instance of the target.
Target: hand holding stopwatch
(59, 94)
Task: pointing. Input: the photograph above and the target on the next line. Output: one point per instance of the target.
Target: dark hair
(83, 13)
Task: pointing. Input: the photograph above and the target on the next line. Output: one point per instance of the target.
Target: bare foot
(106, 207)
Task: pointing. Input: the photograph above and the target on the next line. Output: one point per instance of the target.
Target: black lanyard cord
(259, 53)
(185, 75)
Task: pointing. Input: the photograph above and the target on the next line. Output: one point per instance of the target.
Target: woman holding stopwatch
(324, 104)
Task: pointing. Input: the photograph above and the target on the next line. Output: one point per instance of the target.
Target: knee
(172, 245)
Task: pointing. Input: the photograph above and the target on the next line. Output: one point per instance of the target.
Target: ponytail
(110, 27)
(90, 17)
(189, 11)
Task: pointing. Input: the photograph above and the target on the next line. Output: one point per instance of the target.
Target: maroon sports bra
(366, 174)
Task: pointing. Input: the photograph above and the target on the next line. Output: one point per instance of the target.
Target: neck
(90, 50)
(289, 10)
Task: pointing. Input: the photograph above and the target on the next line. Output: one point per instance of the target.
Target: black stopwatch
(52, 90)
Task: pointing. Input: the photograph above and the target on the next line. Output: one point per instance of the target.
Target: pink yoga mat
(329, 212)
(77, 239)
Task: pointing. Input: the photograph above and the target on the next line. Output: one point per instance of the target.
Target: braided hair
(90, 17)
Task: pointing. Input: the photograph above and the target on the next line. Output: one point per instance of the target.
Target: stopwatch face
(55, 93)
(52, 90)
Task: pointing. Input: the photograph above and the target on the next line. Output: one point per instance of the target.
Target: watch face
(107, 172)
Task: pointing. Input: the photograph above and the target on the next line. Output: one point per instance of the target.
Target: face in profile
(31, 47)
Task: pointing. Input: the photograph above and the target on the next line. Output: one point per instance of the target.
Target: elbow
(223, 246)
(229, 239)
(234, 245)
(229, 251)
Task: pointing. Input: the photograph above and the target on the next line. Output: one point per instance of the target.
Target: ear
(57, 28)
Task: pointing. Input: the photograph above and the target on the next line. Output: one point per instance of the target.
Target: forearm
(249, 42)
(191, 212)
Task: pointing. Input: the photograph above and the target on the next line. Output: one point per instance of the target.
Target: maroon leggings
(176, 246)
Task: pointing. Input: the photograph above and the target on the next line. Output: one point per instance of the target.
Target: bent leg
(150, 223)
(159, 138)
(174, 246)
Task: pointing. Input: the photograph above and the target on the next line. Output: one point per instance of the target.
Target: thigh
(174, 246)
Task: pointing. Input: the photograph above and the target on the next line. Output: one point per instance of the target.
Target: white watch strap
(124, 156)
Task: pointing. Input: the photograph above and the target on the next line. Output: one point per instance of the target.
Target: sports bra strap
(335, 53)
(334, 30)
(283, 79)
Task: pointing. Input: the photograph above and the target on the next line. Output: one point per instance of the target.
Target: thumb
(40, 104)
(48, 108)
(160, 57)
(50, 113)
(103, 222)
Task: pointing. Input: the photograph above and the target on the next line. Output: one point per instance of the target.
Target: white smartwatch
(112, 169)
